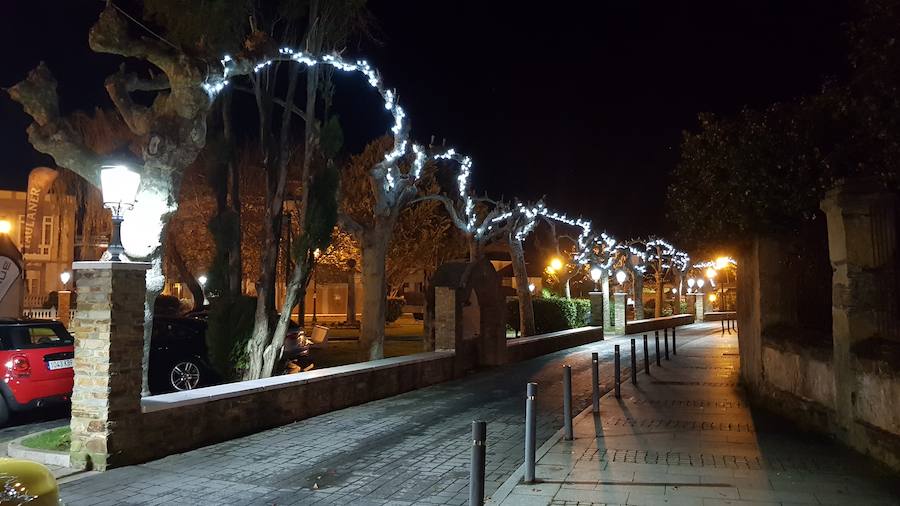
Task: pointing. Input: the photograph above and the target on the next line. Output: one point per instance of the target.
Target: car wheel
(184, 375)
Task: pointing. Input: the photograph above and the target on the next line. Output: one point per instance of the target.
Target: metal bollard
(646, 356)
(723, 326)
(595, 380)
(658, 363)
(633, 364)
(567, 402)
(618, 375)
(476, 469)
(530, 429)
(674, 348)
(666, 343)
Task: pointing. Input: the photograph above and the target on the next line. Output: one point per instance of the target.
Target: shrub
(230, 328)
(394, 309)
(167, 305)
(684, 307)
(552, 314)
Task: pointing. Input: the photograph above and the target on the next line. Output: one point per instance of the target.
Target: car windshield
(19, 337)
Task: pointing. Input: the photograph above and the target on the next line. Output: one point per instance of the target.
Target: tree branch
(448, 204)
(277, 101)
(50, 133)
(351, 225)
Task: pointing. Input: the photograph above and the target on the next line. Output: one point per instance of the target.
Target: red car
(36, 358)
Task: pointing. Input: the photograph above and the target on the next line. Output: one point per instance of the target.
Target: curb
(16, 449)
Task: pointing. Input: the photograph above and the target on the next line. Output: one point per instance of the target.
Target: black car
(178, 358)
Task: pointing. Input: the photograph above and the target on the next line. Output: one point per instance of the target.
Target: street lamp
(710, 273)
(555, 264)
(691, 282)
(120, 186)
(531, 287)
(316, 254)
(674, 290)
(5, 227)
(65, 276)
(621, 277)
(700, 284)
(722, 262)
(595, 275)
(202, 280)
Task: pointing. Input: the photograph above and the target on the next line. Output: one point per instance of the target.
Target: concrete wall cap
(117, 266)
(242, 388)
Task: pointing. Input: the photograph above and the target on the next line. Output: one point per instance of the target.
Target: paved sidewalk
(686, 436)
(409, 449)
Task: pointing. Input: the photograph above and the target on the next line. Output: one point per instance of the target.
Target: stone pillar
(446, 324)
(699, 306)
(598, 317)
(620, 300)
(109, 344)
(63, 305)
(604, 287)
(862, 248)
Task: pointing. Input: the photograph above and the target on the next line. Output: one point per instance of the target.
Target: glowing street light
(691, 282)
(531, 287)
(555, 265)
(674, 291)
(5, 227)
(621, 277)
(596, 273)
(202, 280)
(700, 284)
(65, 276)
(120, 186)
(722, 262)
(710, 273)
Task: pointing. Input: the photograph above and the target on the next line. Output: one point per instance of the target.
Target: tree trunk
(374, 253)
(185, 274)
(638, 294)
(604, 288)
(351, 295)
(526, 310)
(272, 352)
(475, 249)
(657, 311)
(233, 179)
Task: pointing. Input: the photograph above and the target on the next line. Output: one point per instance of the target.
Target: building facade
(55, 239)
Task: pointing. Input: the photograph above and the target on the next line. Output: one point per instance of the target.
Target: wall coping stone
(661, 318)
(550, 335)
(116, 266)
(241, 388)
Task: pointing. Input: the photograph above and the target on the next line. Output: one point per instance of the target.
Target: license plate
(61, 364)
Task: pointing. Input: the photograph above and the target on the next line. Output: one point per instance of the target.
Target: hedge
(394, 309)
(552, 314)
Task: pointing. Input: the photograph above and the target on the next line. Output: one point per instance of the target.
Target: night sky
(583, 102)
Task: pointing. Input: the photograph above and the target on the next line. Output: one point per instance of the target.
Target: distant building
(55, 238)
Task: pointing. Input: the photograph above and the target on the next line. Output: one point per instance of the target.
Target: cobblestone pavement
(408, 449)
(686, 436)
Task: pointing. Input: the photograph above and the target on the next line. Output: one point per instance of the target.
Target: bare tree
(169, 133)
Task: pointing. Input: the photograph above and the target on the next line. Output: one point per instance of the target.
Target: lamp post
(621, 277)
(119, 185)
(691, 282)
(316, 255)
(64, 277)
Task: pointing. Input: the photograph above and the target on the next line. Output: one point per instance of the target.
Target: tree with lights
(632, 257)
(391, 185)
(519, 223)
(663, 262)
(169, 133)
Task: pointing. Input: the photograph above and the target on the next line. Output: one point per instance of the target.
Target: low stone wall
(180, 421)
(524, 348)
(664, 322)
(717, 316)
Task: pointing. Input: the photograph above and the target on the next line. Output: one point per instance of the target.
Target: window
(18, 337)
(46, 235)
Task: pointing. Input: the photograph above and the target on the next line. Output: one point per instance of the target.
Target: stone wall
(663, 322)
(524, 348)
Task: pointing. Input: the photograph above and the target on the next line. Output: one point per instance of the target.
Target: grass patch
(57, 440)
